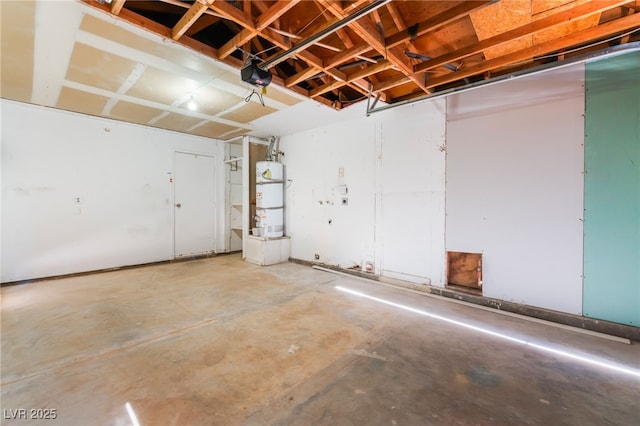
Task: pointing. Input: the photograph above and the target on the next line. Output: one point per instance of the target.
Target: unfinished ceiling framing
(395, 50)
(401, 49)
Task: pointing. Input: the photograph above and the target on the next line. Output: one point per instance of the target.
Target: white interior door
(194, 204)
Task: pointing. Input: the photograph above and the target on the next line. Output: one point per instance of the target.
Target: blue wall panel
(612, 190)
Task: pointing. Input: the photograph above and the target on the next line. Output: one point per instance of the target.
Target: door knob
(178, 205)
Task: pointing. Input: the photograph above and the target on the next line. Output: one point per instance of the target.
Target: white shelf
(236, 216)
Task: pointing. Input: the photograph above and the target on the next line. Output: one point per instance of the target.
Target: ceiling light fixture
(192, 104)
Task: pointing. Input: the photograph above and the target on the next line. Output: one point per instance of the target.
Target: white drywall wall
(515, 187)
(412, 190)
(393, 170)
(314, 160)
(514, 190)
(121, 174)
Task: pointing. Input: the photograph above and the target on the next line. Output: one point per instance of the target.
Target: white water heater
(270, 199)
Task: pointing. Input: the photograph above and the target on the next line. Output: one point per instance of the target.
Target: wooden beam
(348, 43)
(116, 6)
(303, 75)
(274, 13)
(534, 27)
(202, 23)
(380, 86)
(134, 18)
(359, 85)
(298, 67)
(436, 22)
(236, 41)
(367, 30)
(280, 41)
(314, 93)
(153, 26)
(392, 82)
(329, 27)
(357, 75)
(187, 6)
(397, 18)
(231, 13)
(259, 47)
(146, 23)
(365, 85)
(626, 11)
(369, 70)
(297, 37)
(277, 80)
(378, 22)
(265, 19)
(189, 18)
(348, 54)
(330, 71)
(262, 7)
(593, 33)
(344, 37)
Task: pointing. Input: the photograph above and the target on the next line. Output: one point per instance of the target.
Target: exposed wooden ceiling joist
(534, 27)
(366, 29)
(116, 6)
(397, 18)
(345, 55)
(599, 32)
(430, 45)
(265, 19)
(189, 18)
(391, 83)
(245, 21)
(361, 73)
(436, 22)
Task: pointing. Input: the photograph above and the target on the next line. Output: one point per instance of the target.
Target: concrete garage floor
(223, 342)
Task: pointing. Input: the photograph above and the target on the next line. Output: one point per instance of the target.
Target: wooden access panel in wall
(464, 269)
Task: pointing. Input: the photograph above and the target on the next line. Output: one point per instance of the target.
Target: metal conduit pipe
(601, 54)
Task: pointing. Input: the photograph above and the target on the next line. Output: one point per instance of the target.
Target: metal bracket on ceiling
(372, 105)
